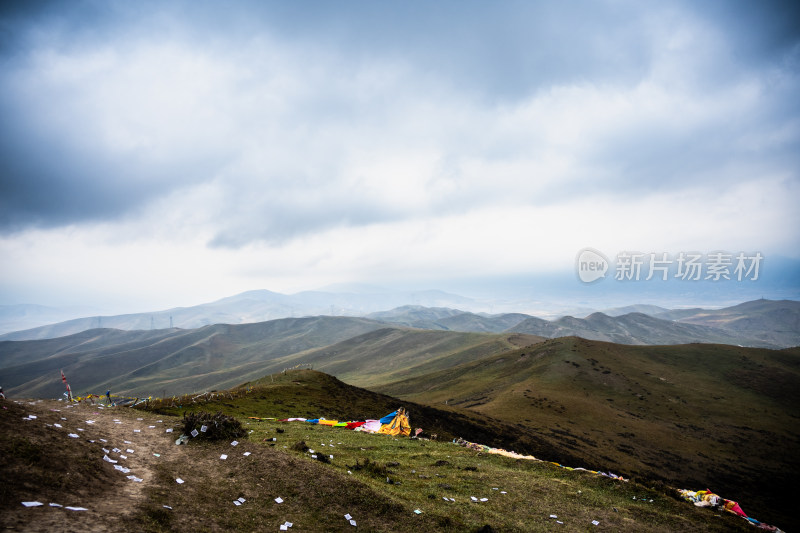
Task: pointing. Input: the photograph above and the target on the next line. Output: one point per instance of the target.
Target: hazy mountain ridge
(247, 307)
(761, 323)
(631, 328)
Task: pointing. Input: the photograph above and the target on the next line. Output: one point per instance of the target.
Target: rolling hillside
(168, 362)
(719, 416)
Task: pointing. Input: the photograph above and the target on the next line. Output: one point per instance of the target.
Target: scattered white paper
(115, 450)
(32, 504)
(417, 511)
(127, 442)
(167, 507)
(194, 433)
(55, 504)
(103, 440)
(237, 503)
(284, 528)
(484, 499)
(246, 454)
(203, 428)
(123, 456)
(109, 459)
(179, 480)
(234, 443)
(122, 469)
(314, 456)
(71, 508)
(129, 450)
(80, 429)
(223, 456)
(151, 427)
(278, 500)
(32, 417)
(140, 419)
(595, 523)
(353, 523)
(169, 430)
(473, 498)
(137, 430)
(242, 499)
(503, 492)
(90, 421)
(553, 516)
(59, 425)
(288, 524)
(559, 522)
(311, 451)
(108, 451)
(134, 478)
(347, 516)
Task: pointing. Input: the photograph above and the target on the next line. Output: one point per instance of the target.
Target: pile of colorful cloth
(706, 498)
(395, 423)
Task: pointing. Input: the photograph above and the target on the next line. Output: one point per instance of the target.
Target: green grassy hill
(704, 415)
(390, 354)
(169, 362)
(383, 483)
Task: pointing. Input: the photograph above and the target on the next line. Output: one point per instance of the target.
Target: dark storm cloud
(68, 156)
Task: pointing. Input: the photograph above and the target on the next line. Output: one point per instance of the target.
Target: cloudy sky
(156, 154)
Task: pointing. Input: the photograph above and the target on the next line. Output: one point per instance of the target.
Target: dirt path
(133, 440)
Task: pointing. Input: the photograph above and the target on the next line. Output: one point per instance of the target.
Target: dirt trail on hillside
(132, 439)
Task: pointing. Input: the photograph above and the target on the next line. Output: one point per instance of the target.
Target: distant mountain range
(244, 308)
(760, 323)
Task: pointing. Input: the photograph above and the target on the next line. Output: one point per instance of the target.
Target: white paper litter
(59, 426)
(347, 516)
(353, 523)
(223, 456)
(246, 454)
(71, 508)
(203, 428)
(109, 459)
(167, 507)
(123, 456)
(484, 499)
(32, 504)
(595, 523)
(473, 498)
(237, 503)
(553, 516)
(129, 450)
(169, 430)
(55, 504)
(122, 469)
(278, 500)
(234, 443)
(194, 433)
(179, 480)
(137, 430)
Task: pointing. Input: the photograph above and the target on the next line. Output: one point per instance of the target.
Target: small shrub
(217, 426)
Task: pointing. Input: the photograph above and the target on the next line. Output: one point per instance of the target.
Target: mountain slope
(769, 321)
(176, 360)
(705, 415)
(635, 328)
(390, 354)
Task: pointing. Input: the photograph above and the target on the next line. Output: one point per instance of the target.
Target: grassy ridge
(702, 415)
